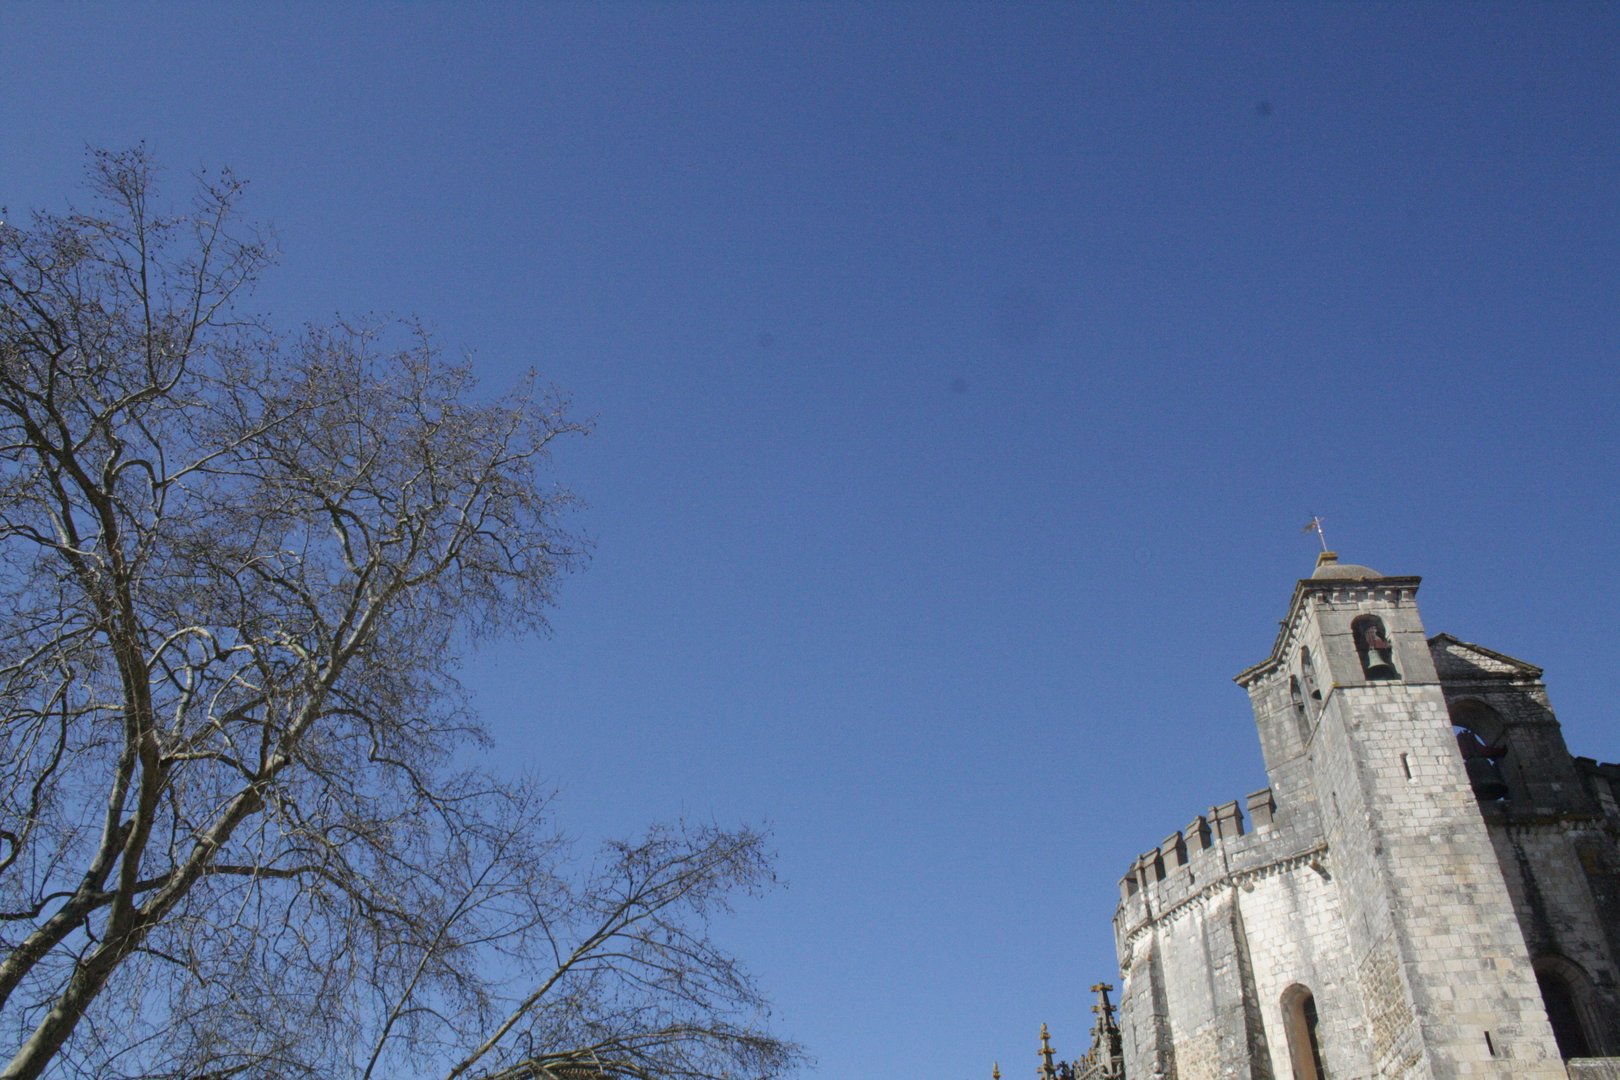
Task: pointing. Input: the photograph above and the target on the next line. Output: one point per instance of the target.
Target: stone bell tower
(1354, 722)
(1429, 886)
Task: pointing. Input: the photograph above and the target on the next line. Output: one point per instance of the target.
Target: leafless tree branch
(234, 841)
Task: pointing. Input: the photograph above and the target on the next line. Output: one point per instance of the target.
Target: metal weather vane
(1315, 525)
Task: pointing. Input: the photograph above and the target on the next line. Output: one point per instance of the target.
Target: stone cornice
(1331, 591)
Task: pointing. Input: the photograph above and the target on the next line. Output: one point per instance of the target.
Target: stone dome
(1329, 568)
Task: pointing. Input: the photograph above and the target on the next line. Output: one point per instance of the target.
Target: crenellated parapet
(1426, 888)
(1207, 836)
(1213, 848)
(1602, 780)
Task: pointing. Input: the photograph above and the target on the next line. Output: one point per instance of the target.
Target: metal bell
(1485, 777)
(1378, 667)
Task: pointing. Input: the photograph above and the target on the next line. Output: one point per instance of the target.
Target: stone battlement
(1204, 834)
(1214, 848)
(1602, 780)
(1401, 901)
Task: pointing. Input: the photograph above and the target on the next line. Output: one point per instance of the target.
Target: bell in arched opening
(1480, 762)
(1373, 648)
(1485, 777)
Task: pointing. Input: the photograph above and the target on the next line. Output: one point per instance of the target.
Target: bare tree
(236, 834)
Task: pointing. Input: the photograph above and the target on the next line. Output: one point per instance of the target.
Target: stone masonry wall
(1556, 835)
(1214, 930)
(1445, 976)
(1370, 877)
(1549, 868)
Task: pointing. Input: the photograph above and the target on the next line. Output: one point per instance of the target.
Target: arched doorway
(1567, 995)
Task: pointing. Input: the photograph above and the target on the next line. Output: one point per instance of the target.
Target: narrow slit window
(1301, 1023)
(1302, 720)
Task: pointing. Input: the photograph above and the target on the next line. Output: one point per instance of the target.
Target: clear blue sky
(962, 376)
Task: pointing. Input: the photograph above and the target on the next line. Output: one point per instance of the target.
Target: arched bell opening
(1300, 1025)
(1373, 647)
(1478, 730)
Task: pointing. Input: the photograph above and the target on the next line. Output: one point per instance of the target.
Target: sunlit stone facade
(1430, 886)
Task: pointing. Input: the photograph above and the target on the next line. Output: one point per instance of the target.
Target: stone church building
(1429, 887)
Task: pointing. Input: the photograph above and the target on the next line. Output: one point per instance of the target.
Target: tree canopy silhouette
(237, 833)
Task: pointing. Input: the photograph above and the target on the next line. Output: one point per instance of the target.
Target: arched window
(1300, 1025)
(1567, 994)
(1373, 648)
(1307, 678)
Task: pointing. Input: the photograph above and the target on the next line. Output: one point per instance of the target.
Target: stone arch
(1373, 647)
(1481, 736)
(1567, 994)
(1300, 1025)
(1478, 717)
